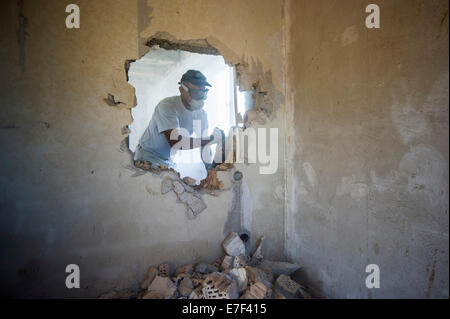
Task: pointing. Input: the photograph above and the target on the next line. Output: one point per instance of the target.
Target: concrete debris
(195, 204)
(178, 188)
(230, 262)
(257, 256)
(240, 276)
(186, 286)
(286, 286)
(196, 294)
(238, 262)
(189, 181)
(166, 185)
(205, 268)
(227, 263)
(160, 288)
(256, 291)
(227, 277)
(152, 272)
(233, 245)
(280, 267)
(220, 286)
(197, 279)
(184, 270)
(163, 270)
(216, 263)
(257, 274)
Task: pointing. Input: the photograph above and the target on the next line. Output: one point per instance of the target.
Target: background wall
(67, 193)
(368, 168)
(364, 128)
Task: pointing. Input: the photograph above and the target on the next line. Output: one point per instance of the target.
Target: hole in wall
(156, 76)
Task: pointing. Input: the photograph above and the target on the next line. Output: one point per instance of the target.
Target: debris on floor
(235, 275)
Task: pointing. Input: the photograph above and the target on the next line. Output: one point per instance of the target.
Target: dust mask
(196, 104)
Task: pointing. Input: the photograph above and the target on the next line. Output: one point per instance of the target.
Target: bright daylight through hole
(156, 76)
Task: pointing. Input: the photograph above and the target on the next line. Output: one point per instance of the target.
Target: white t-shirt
(169, 114)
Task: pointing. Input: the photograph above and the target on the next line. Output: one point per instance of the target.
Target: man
(172, 116)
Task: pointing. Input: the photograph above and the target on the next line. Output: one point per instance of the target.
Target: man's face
(194, 92)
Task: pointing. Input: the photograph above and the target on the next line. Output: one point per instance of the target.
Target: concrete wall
(368, 162)
(67, 192)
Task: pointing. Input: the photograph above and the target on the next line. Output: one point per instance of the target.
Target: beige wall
(67, 194)
(368, 171)
(364, 129)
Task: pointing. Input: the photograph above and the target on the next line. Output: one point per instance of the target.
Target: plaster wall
(367, 169)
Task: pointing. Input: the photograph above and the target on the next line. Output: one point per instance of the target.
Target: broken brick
(255, 274)
(186, 269)
(220, 286)
(256, 291)
(186, 287)
(240, 276)
(160, 288)
(151, 274)
(286, 286)
(189, 181)
(163, 270)
(178, 188)
(166, 185)
(233, 245)
(205, 268)
(227, 263)
(196, 294)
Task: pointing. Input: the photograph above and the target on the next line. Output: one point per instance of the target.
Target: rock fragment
(233, 245)
(204, 268)
(160, 288)
(152, 272)
(166, 185)
(286, 286)
(163, 270)
(186, 269)
(186, 287)
(256, 291)
(240, 276)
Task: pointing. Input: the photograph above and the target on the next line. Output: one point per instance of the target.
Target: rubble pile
(235, 275)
